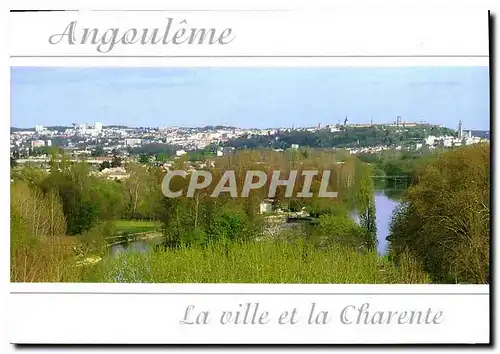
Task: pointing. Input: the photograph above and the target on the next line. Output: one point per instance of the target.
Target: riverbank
(259, 262)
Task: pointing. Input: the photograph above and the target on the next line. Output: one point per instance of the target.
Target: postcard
(250, 176)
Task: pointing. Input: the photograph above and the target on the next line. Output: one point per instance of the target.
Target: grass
(265, 262)
(135, 226)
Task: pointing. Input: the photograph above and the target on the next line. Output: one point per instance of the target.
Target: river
(385, 203)
(386, 200)
(138, 246)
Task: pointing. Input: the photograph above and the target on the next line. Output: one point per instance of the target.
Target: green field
(135, 226)
(264, 262)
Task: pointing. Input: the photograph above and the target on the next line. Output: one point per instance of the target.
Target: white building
(82, 128)
(472, 140)
(180, 153)
(447, 141)
(266, 206)
(48, 143)
(133, 141)
(430, 140)
(116, 173)
(39, 128)
(98, 126)
(37, 143)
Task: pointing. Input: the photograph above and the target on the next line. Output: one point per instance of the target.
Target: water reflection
(136, 246)
(385, 202)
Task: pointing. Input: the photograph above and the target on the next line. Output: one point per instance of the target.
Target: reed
(263, 262)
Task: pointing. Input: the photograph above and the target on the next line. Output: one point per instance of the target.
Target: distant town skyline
(249, 97)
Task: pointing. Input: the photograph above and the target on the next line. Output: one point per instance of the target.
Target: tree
(99, 151)
(104, 165)
(445, 220)
(230, 224)
(366, 205)
(38, 247)
(117, 161)
(40, 213)
(75, 188)
(144, 159)
(339, 230)
(142, 192)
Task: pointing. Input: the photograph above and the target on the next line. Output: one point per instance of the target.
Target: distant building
(460, 129)
(228, 150)
(447, 142)
(98, 126)
(48, 143)
(39, 128)
(37, 143)
(266, 206)
(484, 134)
(361, 125)
(430, 140)
(116, 173)
(133, 141)
(295, 146)
(472, 140)
(180, 152)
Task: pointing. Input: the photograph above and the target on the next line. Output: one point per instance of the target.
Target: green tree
(445, 220)
(366, 205)
(98, 152)
(339, 230)
(144, 159)
(117, 161)
(13, 162)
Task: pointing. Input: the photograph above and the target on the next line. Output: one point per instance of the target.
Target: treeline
(88, 199)
(201, 218)
(444, 220)
(86, 205)
(47, 208)
(399, 168)
(346, 137)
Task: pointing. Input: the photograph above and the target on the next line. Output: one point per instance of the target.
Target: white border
(152, 313)
(264, 34)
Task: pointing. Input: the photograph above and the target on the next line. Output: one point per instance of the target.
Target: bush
(340, 230)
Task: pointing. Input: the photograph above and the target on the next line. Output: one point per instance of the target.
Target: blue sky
(249, 97)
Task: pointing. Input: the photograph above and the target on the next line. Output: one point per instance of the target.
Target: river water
(385, 202)
(137, 246)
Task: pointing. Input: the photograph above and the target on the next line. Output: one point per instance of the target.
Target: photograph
(251, 175)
